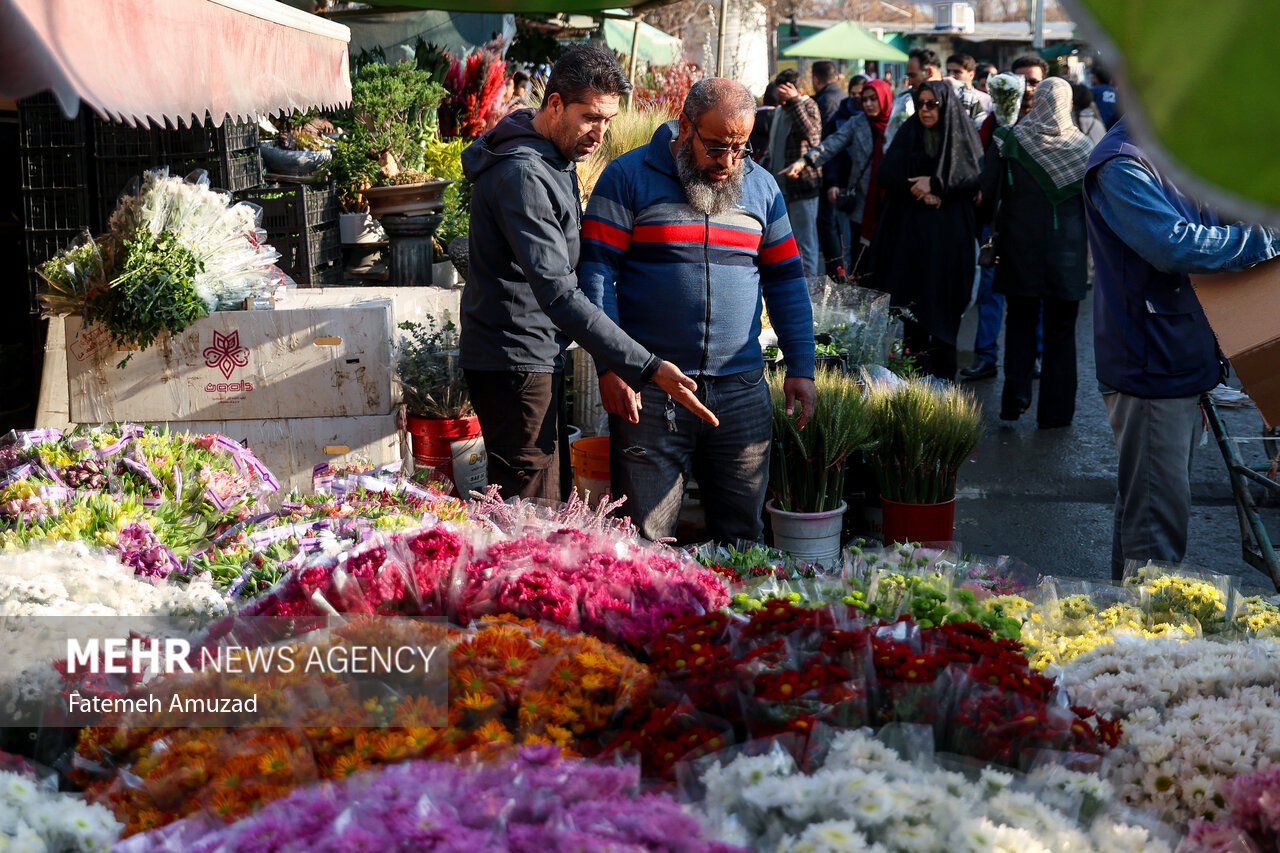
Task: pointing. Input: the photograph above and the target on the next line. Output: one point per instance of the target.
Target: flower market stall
(600, 690)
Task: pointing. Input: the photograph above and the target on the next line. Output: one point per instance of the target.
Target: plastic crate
(294, 207)
(42, 124)
(62, 168)
(57, 210)
(303, 255)
(206, 139)
(330, 275)
(118, 141)
(234, 172)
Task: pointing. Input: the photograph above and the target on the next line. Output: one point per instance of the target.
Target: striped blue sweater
(686, 286)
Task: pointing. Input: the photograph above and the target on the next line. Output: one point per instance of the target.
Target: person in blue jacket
(1155, 351)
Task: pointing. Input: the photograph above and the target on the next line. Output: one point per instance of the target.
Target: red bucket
(918, 522)
(453, 447)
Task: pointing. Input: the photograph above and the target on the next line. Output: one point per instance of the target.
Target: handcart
(1255, 541)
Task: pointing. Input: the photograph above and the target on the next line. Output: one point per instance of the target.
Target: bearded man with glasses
(683, 241)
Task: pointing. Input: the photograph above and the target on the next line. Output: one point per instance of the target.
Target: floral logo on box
(226, 354)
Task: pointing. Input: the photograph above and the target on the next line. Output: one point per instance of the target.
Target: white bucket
(810, 537)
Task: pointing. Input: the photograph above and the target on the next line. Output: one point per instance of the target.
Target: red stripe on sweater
(603, 232)
(694, 232)
(779, 252)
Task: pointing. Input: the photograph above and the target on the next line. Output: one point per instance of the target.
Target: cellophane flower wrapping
(1195, 715)
(224, 236)
(787, 669)
(1006, 92)
(37, 818)
(856, 319)
(535, 801)
(866, 796)
(1171, 594)
(600, 579)
(152, 498)
(68, 580)
(511, 683)
(72, 275)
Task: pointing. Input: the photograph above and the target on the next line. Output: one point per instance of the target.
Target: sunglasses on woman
(928, 105)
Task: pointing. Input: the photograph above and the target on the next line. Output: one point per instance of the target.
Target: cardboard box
(316, 362)
(292, 447)
(1242, 309)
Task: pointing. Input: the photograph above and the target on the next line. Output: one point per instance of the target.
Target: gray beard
(706, 196)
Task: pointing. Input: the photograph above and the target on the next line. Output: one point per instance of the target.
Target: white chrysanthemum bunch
(867, 798)
(45, 593)
(1195, 714)
(216, 231)
(36, 820)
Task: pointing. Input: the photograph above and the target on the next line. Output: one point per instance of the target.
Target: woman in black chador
(924, 251)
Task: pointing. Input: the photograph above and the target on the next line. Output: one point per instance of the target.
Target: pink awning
(133, 60)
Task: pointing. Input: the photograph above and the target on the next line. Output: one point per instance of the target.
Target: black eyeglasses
(928, 105)
(717, 151)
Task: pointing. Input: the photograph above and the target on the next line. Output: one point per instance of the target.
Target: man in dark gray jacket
(522, 304)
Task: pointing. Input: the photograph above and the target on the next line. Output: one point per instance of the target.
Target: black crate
(55, 168)
(57, 210)
(330, 275)
(234, 171)
(303, 255)
(205, 139)
(113, 177)
(42, 124)
(292, 208)
(121, 142)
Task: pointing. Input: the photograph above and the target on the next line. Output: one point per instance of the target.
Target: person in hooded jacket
(925, 250)
(522, 304)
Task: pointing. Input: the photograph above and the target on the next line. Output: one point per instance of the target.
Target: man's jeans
(804, 226)
(649, 463)
(986, 343)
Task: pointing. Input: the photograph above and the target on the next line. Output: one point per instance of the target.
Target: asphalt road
(1046, 496)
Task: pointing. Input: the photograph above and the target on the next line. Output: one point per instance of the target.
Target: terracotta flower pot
(406, 199)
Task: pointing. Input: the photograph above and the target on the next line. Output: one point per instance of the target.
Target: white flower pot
(810, 537)
(360, 228)
(444, 275)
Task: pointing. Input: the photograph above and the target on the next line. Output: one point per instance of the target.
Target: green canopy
(653, 45)
(846, 40)
(1189, 78)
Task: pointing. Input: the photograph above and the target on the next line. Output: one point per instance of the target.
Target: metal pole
(724, 14)
(635, 41)
(1037, 35)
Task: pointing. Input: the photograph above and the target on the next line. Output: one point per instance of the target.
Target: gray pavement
(1046, 496)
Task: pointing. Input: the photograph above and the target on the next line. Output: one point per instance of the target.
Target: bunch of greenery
(924, 433)
(153, 292)
(428, 370)
(806, 468)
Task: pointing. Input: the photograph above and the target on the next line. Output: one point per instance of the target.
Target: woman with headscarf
(861, 138)
(1034, 170)
(924, 249)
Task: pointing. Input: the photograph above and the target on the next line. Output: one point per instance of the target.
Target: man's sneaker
(980, 369)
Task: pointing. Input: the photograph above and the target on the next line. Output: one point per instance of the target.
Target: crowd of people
(729, 210)
(899, 189)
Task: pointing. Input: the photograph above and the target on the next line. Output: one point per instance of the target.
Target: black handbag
(849, 198)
